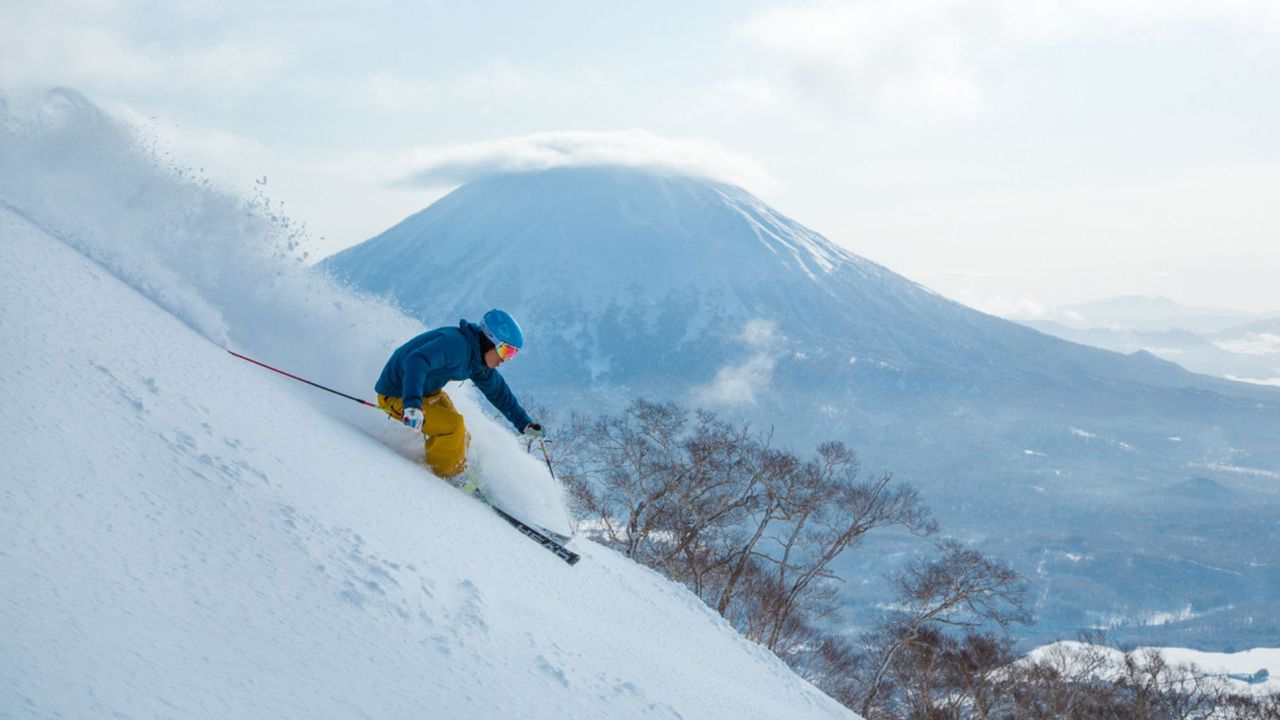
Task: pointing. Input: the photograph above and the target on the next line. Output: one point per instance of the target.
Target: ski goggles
(505, 351)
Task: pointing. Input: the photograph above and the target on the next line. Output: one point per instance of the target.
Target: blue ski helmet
(500, 327)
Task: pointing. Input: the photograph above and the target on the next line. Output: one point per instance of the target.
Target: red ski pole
(303, 380)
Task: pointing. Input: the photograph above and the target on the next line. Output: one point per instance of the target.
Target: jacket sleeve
(495, 389)
(431, 356)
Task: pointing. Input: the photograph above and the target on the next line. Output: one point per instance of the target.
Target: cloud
(1017, 308)
(494, 83)
(91, 44)
(876, 57)
(738, 384)
(938, 57)
(393, 92)
(456, 164)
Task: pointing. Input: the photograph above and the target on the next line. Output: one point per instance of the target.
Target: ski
(562, 539)
(553, 541)
(535, 534)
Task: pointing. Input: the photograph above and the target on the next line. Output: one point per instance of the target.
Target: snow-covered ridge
(183, 534)
(1251, 672)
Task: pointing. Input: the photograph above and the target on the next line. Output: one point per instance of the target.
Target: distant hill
(1230, 344)
(1248, 353)
(1141, 313)
(1196, 489)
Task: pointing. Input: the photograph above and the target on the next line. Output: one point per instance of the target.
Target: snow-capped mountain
(622, 276)
(636, 278)
(628, 276)
(183, 534)
(638, 283)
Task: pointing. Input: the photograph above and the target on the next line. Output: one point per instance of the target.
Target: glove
(412, 418)
(533, 431)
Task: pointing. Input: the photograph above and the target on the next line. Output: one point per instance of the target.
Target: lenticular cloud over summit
(456, 164)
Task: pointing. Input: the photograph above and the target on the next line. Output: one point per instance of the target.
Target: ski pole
(547, 456)
(304, 380)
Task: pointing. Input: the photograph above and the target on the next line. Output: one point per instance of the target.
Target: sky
(1011, 155)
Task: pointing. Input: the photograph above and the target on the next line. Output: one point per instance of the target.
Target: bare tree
(750, 528)
(1067, 681)
(823, 510)
(1091, 681)
(622, 469)
(978, 672)
(832, 663)
(961, 589)
(721, 480)
(754, 531)
(1241, 707)
(781, 473)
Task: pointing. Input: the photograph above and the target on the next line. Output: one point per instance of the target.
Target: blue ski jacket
(422, 366)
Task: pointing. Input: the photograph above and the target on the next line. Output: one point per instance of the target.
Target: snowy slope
(185, 535)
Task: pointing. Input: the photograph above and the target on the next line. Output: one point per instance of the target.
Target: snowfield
(185, 535)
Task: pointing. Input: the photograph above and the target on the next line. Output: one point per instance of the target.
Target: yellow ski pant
(446, 433)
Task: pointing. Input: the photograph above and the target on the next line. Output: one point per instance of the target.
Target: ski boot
(468, 481)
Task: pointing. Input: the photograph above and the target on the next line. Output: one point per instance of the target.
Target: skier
(410, 388)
